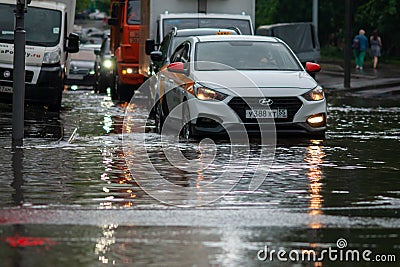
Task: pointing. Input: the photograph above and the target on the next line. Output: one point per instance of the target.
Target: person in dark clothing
(376, 44)
(360, 45)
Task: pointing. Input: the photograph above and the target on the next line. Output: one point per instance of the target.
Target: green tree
(82, 5)
(103, 5)
(277, 11)
(383, 15)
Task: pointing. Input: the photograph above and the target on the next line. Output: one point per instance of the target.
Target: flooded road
(69, 197)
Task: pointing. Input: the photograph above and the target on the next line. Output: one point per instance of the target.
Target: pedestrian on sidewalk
(376, 44)
(360, 45)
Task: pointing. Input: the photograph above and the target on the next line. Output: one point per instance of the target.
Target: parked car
(97, 15)
(205, 75)
(104, 67)
(301, 37)
(81, 70)
(161, 56)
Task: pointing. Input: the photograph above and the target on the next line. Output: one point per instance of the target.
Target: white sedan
(223, 84)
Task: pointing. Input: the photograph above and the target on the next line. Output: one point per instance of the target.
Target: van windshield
(42, 26)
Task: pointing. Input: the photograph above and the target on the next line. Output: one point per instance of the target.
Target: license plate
(266, 113)
(6, 89)
(75, 77)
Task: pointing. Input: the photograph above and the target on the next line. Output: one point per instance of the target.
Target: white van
(48, 26)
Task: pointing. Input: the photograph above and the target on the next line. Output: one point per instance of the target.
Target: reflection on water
(18, 181)
(91, 170)
(353, 173)
(314, 158)
(114, 245)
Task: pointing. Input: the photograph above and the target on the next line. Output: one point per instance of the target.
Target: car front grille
(240, 105)
(8, 75)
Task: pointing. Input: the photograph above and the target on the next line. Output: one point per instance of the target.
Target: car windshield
(133, 12)
(42, 25)
(191, 23)
(106, 47)
(84, 55)
(244, 55)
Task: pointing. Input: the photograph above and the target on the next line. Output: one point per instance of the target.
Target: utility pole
(347, 48)
(18, 108)
(315, 15)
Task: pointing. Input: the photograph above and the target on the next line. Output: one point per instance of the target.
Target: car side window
(176, 56)
(181, 53)
(185, 53)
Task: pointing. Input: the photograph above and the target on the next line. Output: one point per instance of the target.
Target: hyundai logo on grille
(7, 74)
(266, 101)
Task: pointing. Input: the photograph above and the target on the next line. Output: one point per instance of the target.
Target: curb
(361, 82)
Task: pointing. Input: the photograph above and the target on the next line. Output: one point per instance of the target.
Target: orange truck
(124, 45)
(138, 26)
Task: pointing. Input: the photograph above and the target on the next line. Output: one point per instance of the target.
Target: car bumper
(46, 91)
(216, 118)
(84, 80)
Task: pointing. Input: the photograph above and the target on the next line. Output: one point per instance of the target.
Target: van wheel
(56, 107)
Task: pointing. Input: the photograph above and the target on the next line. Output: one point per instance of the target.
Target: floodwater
(69, 196)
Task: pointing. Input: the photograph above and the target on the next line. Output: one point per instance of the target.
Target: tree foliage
(82, 5)
(383, 15)
(102, 5)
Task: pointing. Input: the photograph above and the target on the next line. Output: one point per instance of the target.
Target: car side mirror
(312, 68)
(156, 56)
(177, 67)
(97, 52)
(150, 46)
(72, 43)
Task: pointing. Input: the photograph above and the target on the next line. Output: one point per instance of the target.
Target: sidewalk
(386, 76)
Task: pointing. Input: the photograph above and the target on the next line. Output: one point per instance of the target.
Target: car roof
(203, 31)
(211, 38)
(167, 15)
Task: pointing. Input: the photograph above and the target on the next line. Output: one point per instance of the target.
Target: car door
(175, 83)
(164, 49)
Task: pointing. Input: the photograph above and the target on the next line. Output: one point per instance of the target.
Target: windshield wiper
(9, 41)
(37, 43)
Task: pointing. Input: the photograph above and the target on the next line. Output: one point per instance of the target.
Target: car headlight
(107, 64)
(315, 94)
(52, 57)
(204, 93)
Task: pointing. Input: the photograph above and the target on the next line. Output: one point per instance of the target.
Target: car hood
(243, 83)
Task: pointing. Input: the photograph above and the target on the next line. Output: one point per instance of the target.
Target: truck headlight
(52, 57)
(204, 93)
(315, 94)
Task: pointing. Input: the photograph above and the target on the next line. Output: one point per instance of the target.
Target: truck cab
(161, 16)
(124, 45)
